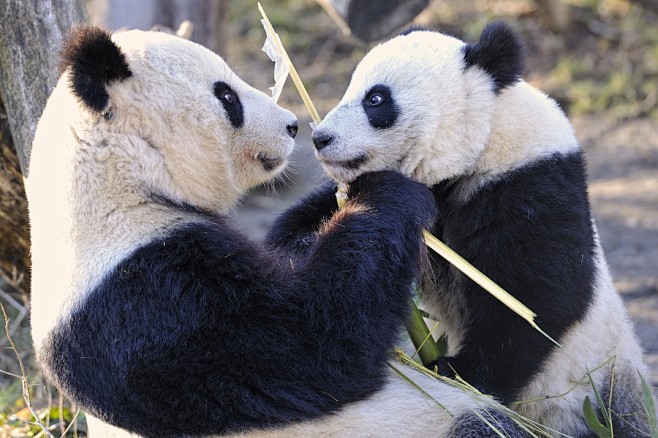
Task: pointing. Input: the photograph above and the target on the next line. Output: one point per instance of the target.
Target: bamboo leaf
(281, 66)
(605, 411)
(442, 345)
(649, 406)
(593, 421)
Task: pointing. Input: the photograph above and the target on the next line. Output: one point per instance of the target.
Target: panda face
(406, 109)
(413, 106)
(179, 121)
(216, 133)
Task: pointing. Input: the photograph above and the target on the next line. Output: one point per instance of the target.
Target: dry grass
(28, 406)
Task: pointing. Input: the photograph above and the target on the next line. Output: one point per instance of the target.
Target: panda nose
(292, 129)
(322, 140)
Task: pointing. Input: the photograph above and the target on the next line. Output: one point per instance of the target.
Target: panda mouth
(354, 163)
(268, 163)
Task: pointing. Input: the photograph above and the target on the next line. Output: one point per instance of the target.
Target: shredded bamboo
(274, 37)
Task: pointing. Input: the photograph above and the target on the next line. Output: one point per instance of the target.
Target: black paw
(392, 190)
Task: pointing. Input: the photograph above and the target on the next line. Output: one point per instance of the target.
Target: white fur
(168, 134)
(399, 410)
(604, 337)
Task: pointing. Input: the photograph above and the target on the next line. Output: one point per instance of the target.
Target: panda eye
(230, 102)
(225, 93)
(379, 106)
(375, 99)
(229, 96)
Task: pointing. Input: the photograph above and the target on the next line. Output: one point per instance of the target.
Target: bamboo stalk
(269, 30)
(485, 282)
(428, 350)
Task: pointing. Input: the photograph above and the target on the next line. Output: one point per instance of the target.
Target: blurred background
(597, 58)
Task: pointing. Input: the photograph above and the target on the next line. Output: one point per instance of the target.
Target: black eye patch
(380, 108)
(231, 103)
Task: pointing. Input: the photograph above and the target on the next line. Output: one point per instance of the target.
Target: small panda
(159, 318)
(508, 177)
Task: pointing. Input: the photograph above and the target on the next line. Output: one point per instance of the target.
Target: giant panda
(508, 177)
(159, 318)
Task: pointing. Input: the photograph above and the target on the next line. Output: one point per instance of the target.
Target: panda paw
(391, 191)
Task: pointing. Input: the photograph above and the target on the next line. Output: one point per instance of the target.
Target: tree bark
(30, 34)
(14, 234)
(207, 16)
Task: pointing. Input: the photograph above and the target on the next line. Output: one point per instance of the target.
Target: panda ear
(95, 62)
(499, 52)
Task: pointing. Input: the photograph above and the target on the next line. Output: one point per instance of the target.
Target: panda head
(420, 103)
(168, 116)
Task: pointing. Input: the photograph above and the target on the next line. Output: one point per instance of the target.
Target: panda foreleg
(203, 332)
(295, 230)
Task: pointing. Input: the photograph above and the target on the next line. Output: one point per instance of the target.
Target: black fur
(204, 332)
(295, 232)
(499, 52)
(231, 103)
(628, 414)
(530, 232)
(95, 62)
(471, 425)
(382, 113)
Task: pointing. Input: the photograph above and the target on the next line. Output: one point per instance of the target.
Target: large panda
(159, 318)
(508, 177)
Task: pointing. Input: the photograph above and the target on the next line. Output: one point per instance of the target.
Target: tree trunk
(14, 242)
(207, 16)
(30, 34)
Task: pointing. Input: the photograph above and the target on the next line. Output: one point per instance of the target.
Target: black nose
(292, 129)
(322, 140)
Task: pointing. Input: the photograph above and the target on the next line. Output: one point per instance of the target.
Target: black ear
(95, 62)
(499, 52)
